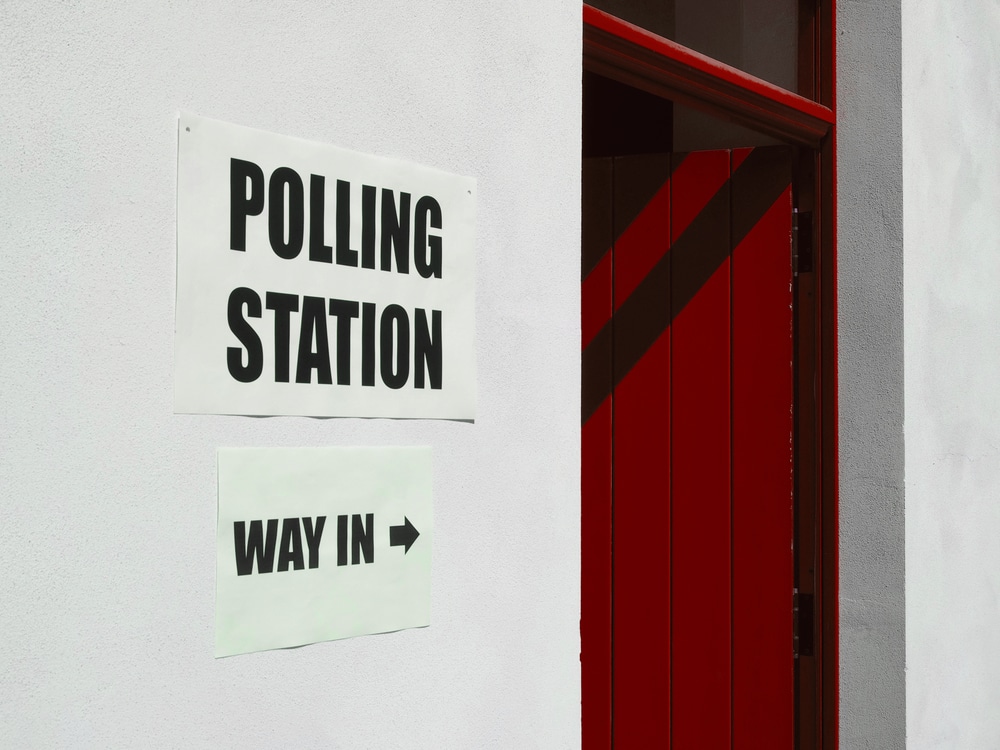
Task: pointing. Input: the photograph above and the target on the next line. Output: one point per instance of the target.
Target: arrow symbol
(403, 536)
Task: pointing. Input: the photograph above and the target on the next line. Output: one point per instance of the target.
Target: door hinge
(802, 242)
(802, 624)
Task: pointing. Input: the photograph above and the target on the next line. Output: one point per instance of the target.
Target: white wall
(870, 320)
(107, 532)
(951, 137)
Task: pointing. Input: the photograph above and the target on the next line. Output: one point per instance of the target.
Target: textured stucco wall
(870, 278)
(951, 152)
(107, 532)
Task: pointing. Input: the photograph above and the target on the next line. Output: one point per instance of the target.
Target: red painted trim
(595, 568)
(830, 498)
(596, 460)
(620, 50)
(829, 621)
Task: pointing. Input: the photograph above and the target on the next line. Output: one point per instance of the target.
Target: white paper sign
(316, 544)
(317, 281)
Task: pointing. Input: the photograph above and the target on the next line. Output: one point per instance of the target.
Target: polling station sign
(313, 280)
(317, 544)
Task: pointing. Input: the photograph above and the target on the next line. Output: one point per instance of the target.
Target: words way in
(355, 534)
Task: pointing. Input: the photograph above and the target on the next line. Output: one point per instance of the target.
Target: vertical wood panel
(641, 476)
(763, 673)
(807, 539)
(596, 519)
(700, 449)
(644, 242)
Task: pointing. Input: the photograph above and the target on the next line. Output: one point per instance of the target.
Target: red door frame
(624, 52)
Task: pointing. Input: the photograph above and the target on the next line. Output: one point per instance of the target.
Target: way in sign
(257, 540)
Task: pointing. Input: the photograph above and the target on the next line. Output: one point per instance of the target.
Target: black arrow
(403, 536)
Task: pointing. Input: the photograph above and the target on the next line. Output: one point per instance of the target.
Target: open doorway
(703, 421)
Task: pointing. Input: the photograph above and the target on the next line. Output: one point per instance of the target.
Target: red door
(687, 451)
